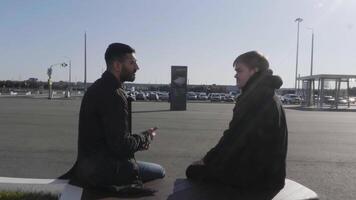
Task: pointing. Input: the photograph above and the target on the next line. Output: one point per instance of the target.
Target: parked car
(164, 96)
(141, 96)
(329, 99)
(342, 100)
(192, 96)
(215, 97)
(229, 98)
(292, 99)
(202, 96)
(153, 96)
(15, 93)
(234, 93)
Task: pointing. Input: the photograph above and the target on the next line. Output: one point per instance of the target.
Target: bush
(9, 195)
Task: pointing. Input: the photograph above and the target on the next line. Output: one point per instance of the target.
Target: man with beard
(106, 147)
(251, 154)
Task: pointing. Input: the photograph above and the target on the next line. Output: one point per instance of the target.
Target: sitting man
(251, 154)
(106, 147)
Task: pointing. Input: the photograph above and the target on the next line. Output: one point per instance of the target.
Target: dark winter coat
(105, 145)
(251, 154)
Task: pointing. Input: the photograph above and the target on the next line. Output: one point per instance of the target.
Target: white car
(192, 96)
(163, 96)
(215, 97)
(292, 99)
(202, 96)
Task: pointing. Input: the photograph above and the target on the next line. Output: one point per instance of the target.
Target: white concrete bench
(71, 192)
(295, 191)
(291, 191)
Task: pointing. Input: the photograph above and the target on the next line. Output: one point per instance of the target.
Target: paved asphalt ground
(38, 140)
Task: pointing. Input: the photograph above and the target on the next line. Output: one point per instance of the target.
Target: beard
(127, 76)
(130, 78)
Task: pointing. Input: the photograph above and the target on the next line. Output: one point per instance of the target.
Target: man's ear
(253, 71)
(116, 65)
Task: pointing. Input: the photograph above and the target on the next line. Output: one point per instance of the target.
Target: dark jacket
(252, 151)
(105, 145)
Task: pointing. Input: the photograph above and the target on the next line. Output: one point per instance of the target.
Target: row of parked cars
(341, 100)
(164, 96)
(291, 99)
(297, 99)
(213, 97)
(148, 96)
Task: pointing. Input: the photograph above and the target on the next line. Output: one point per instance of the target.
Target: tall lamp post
(298, 20)
(85, 61)
(312, 52)
(70, 76)
(311, 83)
(49, 73)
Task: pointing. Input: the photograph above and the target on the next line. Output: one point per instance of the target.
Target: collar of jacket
(111, 80)
(263, 78)
(255, 79)
(258, 87)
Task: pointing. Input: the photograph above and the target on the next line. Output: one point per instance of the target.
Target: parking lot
(38, 140)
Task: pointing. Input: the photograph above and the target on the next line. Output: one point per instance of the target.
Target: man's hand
(150, 133)
(146, 147)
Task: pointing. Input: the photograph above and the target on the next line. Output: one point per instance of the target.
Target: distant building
(317, 90)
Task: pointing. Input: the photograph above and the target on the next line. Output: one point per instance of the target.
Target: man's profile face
(243, 74)
(129, 68)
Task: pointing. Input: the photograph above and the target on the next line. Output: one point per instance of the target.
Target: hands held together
(149, 134)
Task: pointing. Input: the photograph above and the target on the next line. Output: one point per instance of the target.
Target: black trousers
(200, 173)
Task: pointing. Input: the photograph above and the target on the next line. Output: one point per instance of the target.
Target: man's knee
(150, 171)
(161, 173)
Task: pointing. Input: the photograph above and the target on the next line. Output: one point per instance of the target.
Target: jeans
(150, 171)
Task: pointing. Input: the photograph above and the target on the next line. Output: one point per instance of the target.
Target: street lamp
(311, 83)
(312, 52)
(85, 61)
(298, 20)
(49, 73)
(70, 75)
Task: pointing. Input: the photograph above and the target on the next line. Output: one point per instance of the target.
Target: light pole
(298, 20)
(70, 76)
(312, 52)
(49, 73)
(85, 61)
(311, 83)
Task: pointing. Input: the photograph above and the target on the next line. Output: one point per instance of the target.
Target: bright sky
(205, 35)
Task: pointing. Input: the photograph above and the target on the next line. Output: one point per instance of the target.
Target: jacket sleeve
(261, 152)
(245, 146)
(225, 142)
(114, 118)
(215, 151)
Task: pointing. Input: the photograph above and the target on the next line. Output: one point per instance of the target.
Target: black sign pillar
(178, 94)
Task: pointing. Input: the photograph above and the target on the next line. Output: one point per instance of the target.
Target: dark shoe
(134, 189)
